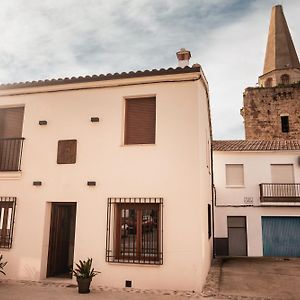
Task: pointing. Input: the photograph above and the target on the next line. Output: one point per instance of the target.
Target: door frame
(72, 205)
(246, 232)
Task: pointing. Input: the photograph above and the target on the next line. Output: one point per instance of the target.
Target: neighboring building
(257, 181)
(272, 109)
(113, 167)
(257, 205)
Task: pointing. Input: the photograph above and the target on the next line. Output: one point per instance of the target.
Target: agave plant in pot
(84, 274)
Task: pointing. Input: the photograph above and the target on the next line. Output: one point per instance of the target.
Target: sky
(56, 39)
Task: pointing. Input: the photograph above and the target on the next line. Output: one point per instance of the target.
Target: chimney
(183, 57)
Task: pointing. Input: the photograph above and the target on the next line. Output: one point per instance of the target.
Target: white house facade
(257, 198)
(112, 167)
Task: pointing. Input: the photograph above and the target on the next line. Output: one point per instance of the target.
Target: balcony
(279, 192)
(11, 154)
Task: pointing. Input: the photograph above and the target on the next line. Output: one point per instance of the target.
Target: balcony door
(282, 173)
(11, 124)
(283, 177)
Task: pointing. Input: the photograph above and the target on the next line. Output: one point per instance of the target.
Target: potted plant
(84, 274)
(2, 264)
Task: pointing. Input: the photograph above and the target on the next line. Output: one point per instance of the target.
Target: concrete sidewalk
(10, 290)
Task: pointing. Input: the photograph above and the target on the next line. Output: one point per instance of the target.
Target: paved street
(261, 278)
(24, 291)
(230, 278)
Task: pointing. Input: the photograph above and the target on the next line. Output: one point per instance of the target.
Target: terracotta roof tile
(256, 145)
(101, 77)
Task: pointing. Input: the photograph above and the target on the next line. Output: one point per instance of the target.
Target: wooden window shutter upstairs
(67, 152)
(140, 119)
(11, 122)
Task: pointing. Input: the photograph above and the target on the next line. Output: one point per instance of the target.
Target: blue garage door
(281, 236)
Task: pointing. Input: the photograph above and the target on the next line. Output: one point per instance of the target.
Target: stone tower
(272, 110)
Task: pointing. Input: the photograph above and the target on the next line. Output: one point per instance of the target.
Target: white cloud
(51, 39)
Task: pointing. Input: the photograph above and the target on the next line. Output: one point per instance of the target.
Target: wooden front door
(61, 240)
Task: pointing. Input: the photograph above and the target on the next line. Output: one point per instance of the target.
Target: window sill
(134, 263)
(235, 186)
(132, 145)
(10, 175)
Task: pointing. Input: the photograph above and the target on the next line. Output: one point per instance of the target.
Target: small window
(234, 174)
(140, 119)
(285, 79)
(209, 220)
(134, 233)
(269, 82)
(285, 127)
(66, 152)
(7, 215)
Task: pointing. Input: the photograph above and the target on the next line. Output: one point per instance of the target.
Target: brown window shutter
(66, 153)
(11, 122)
(140, 119)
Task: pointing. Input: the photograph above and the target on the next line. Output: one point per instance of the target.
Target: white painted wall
(244, 200)
(175, 168)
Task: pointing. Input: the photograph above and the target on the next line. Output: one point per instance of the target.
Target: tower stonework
(272, 110)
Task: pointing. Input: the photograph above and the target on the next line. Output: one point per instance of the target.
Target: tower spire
(281, 60)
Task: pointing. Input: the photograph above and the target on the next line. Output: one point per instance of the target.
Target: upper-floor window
(282, 173)
(11, 122)
(140, 121)
(269, 82)
(234, 174)
(7, 213)
(11, 141)
(285, 127)
(285, 79)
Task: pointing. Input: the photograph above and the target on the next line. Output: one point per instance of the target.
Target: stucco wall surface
(175, 168)
(245, 200)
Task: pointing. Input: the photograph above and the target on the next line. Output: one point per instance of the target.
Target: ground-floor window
(134, 230)
(7, 214)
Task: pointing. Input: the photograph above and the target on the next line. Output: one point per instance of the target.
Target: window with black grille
(134, 230)
(285, 124)
(140, 119)
(7, 216)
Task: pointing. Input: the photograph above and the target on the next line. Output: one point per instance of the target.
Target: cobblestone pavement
(28, 290)
(231, 278)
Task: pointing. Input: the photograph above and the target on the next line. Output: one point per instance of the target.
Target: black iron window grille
(11, 154)
(7, 219)
(135, 230)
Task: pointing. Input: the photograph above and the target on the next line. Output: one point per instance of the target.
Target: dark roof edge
(101, 77)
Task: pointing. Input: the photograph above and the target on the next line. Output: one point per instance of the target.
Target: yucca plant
(2, 265)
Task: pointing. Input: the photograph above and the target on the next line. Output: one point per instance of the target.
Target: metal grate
(134, 230)
(11, 154)
(7, 220)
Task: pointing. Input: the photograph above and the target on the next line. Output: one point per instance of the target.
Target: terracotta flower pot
(84, 285)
